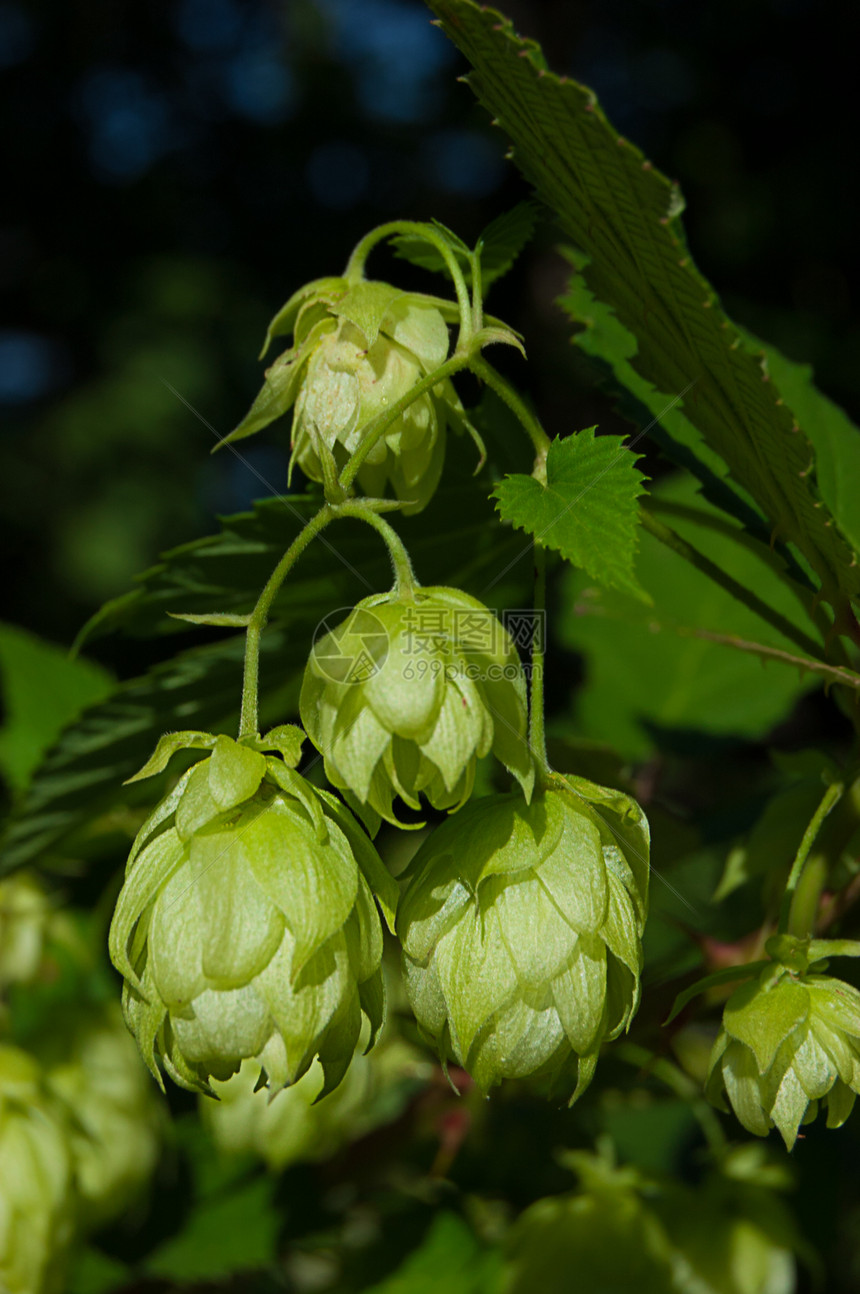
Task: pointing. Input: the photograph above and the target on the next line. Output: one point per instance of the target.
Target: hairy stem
(537, 721)
(513, 400)
(355, 265)
(404, 576)
(248, 720)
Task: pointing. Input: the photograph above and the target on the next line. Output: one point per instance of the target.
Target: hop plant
(36, 1200)
(408, 692)
(246, 926)
(93, 1070)
(359, 348)
(521, 928)
(789, 1042)
(293, 1126)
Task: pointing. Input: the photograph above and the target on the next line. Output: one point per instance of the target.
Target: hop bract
(359, 348)
(521, 929)
(789, 1043)
(36, 1201)
(408, 692)
(246, 927)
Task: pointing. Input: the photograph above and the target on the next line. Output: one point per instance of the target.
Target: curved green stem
(248, 719)
(355, 265)
(831, 796)
(404, 576)
(377, 427)
(513, 400)
(537, 722)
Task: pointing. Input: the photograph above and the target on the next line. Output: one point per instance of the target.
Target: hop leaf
(246, 927)
(521, 929)
(407, 693)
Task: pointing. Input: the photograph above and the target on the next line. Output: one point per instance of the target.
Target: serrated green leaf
(835, 439)
(624, 216)
(648, 684)
(587, 509)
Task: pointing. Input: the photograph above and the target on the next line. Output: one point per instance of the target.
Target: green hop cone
(788, 1043)
(26, 921)
(246, 927)
(407, 693)
(36, 1200)
(93, 1070)
(521, 928)
(360, 348)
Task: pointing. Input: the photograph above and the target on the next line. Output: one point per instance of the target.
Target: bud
(246, 927)
(36, 1204)
(788, 1042)
(409, 692)
(293, 1126)
(521, 929)
(94, 1071)
(359, 348)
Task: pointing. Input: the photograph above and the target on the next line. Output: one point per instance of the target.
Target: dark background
(175, 171)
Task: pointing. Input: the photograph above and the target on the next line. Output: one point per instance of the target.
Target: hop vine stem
(360, 510)
(789, 913)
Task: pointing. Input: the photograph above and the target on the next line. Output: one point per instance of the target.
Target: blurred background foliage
(175, 170)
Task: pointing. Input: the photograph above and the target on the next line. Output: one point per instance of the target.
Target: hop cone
(26, 922)
(94, 1072)
(521, 929)
(788, 1043)
(409, 692)
(246, 927)
(36, 1202)
(358, 349)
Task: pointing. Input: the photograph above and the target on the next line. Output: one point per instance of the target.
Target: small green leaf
(234, 1230)
(500, 244)
(287, 739)
(43, 690)
(587, 509)
(219, 619)
(716, 980)
(449, 1257)
(503, 240)
(167, 747)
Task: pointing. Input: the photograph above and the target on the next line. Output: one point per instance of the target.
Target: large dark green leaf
(623, 216)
